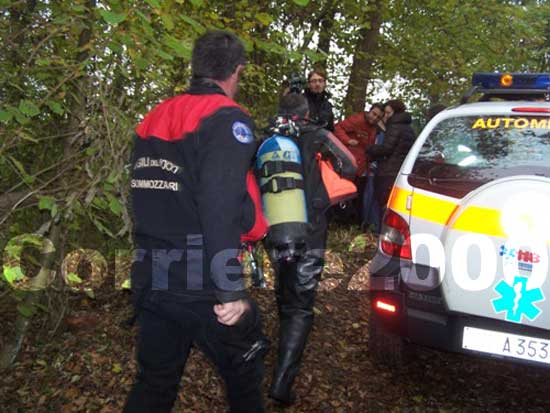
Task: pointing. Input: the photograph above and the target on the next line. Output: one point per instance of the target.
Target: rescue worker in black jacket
(191, 206)
(398, 140)
(297, 279)
(320, 108)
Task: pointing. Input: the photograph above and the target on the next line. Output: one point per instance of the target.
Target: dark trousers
(168, 329)
(295, 289)
(371, 208)
(383, 185)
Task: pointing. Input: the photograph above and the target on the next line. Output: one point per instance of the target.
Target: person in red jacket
(191, 207)
(357, 132)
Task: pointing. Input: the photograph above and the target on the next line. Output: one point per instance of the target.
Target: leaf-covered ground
(89, 365)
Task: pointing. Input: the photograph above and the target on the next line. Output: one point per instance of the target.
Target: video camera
(296, 83)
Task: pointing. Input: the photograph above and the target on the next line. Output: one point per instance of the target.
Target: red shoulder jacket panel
(180, 115)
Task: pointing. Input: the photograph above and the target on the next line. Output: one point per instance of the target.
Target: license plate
(506, 344)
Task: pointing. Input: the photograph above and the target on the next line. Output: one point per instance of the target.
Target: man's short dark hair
(377, 105)
(216, 54)
(397, 105)
(293, 104)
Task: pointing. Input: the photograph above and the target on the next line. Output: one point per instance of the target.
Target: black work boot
(292, 340)
(295, 291)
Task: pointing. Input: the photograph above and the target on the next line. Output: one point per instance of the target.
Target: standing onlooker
(398, 140)
(320, 108)
(191, 155)
(370, 218)
(357, 132)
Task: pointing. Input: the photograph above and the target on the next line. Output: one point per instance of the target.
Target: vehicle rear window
(464, 153)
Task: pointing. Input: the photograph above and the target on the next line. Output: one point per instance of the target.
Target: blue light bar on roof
(525, 81)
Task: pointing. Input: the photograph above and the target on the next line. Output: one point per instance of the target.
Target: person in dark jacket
(320, 108)
(297, 279)
(398, 139)
(370, 217)
(192, 154)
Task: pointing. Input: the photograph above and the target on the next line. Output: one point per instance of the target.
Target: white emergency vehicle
(463, 255)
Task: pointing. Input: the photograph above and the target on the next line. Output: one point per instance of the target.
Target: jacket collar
(317, 96)
(403, 117)
(203, 86)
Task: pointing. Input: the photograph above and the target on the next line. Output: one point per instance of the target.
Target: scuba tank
(280, 172)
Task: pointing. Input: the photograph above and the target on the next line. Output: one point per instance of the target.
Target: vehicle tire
(386, 348)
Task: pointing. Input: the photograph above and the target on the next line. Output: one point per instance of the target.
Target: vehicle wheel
(386, 348)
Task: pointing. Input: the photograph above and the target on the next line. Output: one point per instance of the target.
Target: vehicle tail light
(395, 237)
(385, 306)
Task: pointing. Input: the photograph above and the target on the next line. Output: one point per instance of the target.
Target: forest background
(76, 77)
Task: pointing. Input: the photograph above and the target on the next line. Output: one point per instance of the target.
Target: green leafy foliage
(199, 28)
(358, 243)
(56, 107)
(46, 202)
(197, 3)
(464, 37)
(264, 18)
(112, 18)
(26, 107)
(5, 116)
(73, 279)
(117, 368)
(115, 206)
(153, 3)
(180, 47)
(26, 311)
(12, 274)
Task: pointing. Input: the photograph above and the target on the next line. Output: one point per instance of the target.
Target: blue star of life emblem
(517, 301)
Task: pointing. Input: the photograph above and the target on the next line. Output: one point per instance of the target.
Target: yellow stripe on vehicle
(398, 200)
(480, 220)
(432, 209)
(473, 219)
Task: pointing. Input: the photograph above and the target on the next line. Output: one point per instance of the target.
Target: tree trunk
(325, 33)
(363, 59)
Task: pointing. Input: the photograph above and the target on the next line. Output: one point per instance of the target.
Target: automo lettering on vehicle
(507, 122)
